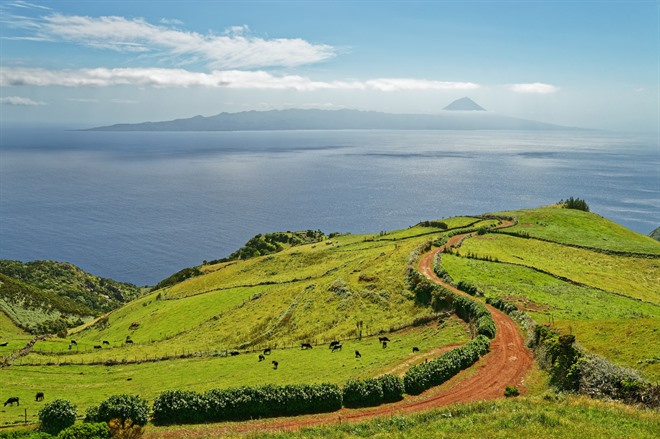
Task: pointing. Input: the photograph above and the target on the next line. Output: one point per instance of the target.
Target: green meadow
(584, 274)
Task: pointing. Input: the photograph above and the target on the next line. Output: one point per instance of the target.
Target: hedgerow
(362, 393)
(248, 402)
(426, 375)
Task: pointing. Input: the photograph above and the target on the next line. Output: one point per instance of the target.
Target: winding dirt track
(505, 365)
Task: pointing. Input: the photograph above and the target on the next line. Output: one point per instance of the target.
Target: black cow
(261, 357)
(11, 401)
(234, 353)
(4, 343)
(336, 347)
(382, 339)
(306, 346)
(384, 344)
(267, 351)
(39, 397)
(74, 342)
(358, 354)
(106, 342)
(275, 364)
(415, 349)
(98, 346)
(129, 341)
(333, 344)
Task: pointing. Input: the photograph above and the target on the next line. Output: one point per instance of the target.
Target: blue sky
(593, 64)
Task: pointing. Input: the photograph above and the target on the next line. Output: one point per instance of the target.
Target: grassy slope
(602, 312)
(523, 417)
(581, 228)
(318, 292)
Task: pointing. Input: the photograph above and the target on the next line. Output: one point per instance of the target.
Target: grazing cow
(129, 341)
(261, 357)
(98, 346)
(267, 351)
(306, 346)
(74, 342)
(336, 347)
(415, 349)
(106, 342)
(333, 344)
(382, 339)
(70, 346)
(4, 343)
(358, 354)
(234, 353)
(275, 364)
(11, 401)
(384, 344)
(39, 397)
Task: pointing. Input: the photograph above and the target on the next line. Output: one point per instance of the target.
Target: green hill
(573, 270)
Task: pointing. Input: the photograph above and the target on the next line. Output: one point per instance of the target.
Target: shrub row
(573, 369)
(467, 309)
(502, 305)
(426, 375)
(373, 391)
(239, 403)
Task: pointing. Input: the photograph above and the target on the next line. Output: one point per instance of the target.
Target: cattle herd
(334, 346)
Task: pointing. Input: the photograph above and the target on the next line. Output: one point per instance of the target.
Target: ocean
(139, 206)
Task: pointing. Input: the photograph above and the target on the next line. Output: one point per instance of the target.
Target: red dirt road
(505, 365)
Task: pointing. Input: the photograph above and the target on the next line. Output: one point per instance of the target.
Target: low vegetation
(247, 336)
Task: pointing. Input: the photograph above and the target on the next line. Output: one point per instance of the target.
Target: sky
(591, 64)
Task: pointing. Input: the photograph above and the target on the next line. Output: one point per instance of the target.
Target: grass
(576, 227)
(635, 277)
(319, 292)
(584, 311)
(88, 385)
(523, 417)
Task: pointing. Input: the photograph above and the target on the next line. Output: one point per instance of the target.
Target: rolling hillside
(574, 271)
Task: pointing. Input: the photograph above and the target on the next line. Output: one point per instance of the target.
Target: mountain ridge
(344, 119)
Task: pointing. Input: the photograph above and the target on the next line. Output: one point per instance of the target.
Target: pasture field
(619, 328)
(88, 385)
(575, 227)
(313, 292)
(635, 277)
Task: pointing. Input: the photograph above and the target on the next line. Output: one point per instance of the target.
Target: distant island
(462, 114)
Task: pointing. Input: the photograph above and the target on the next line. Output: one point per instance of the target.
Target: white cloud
(124, 101)
(236, 79)
(403, 84)
(20, 101)
(535, 87)
(237, 48)
(83, 100)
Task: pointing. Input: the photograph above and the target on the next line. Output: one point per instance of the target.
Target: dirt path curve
(505, 365)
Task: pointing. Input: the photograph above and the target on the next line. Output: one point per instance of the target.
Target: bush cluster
(426, 375)
(239, 403)
(373, 391)
(467, 309)
(467, 287)
(573, 369)
(502, 305)
(575, 203)
(56, 416)
(121, 407)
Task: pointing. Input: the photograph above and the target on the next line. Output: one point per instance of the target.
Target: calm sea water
(137, 207)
